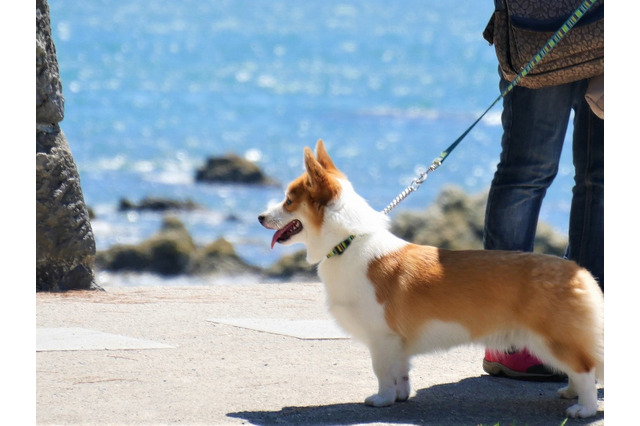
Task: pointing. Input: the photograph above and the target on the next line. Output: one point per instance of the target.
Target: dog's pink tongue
(277, 235)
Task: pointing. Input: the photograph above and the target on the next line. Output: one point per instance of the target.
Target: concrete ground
(249, 354)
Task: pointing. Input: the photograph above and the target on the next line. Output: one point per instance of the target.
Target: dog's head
(300, 217)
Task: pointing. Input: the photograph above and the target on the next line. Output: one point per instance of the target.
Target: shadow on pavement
(474, 401)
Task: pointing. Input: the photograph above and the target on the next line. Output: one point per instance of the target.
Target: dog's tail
(596, 300)
(600, 348)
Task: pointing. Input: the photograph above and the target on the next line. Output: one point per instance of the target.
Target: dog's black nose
(261, 218)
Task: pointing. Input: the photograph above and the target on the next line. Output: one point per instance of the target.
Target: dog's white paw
(381, 399)
(567, 392)
(582, 411)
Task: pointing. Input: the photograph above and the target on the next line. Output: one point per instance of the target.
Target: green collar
(340, 248)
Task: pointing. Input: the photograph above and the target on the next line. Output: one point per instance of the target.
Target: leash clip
(414, 186)
(419, 180)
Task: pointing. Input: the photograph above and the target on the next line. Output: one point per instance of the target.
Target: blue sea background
(154, 88)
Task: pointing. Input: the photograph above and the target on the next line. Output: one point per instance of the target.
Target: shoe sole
(497, 369)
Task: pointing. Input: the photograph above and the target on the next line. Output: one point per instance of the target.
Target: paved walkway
(255, 354)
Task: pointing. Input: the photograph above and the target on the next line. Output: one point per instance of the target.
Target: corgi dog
(402, 299)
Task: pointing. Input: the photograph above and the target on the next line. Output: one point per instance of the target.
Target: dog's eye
(288, 201)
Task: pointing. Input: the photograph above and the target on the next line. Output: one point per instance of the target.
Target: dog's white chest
(352, 301)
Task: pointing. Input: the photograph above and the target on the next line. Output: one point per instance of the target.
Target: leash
(437, 162)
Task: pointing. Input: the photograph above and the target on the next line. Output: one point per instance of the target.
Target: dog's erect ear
(323, 156)
(322, 186)
(315, 170)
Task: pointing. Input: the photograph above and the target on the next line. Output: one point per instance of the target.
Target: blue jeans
(534, 126)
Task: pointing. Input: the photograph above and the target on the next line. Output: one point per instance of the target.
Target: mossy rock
(293, 265)
(169, 252)
(219, 257)
(172, 252)
(232, 168)
(156, 204)
(456, 221)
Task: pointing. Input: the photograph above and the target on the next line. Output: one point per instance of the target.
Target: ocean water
(154, 88)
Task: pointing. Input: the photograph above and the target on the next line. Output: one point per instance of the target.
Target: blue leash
(553, 41)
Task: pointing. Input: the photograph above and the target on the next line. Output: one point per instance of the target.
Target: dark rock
(232, 169)
(49, 99)
(172, 252)
(65, 245)
(456, 221)
(220, 257)
(120, 258)
(232, 218)
(293, 265)
(156, 204)
(168, 252)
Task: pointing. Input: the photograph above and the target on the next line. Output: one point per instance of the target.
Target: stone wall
(65, 246)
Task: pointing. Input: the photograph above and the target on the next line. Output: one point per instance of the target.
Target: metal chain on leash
(557, 36)
(414, 186)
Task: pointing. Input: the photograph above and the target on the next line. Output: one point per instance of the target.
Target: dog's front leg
(391, 367)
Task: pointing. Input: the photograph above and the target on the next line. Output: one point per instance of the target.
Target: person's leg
(534, 128)
(586, 223)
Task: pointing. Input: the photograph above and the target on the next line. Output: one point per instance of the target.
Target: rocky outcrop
(156, 204)
(172, 252)
(232, 169)
(219, 257)
(456, 220)
(293, 266)
(166, 253)
(65, 245)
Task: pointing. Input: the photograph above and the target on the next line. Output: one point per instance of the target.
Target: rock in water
(232, 169)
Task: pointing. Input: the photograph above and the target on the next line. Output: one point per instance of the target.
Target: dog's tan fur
(485, 291)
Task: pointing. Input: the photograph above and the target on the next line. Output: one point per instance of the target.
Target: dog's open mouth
(288, 231)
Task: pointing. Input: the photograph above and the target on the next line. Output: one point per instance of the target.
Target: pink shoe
(519, 365)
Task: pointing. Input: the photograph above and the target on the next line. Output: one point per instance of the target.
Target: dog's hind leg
(569, 391)
(582, 385)
(581, 371)
(391, 367)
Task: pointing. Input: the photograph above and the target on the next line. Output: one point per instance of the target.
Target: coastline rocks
(293, 265)
(220, 257)
(166, 253)
(232, 168)
(156, 204)
(172, 252)
(456, 220)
